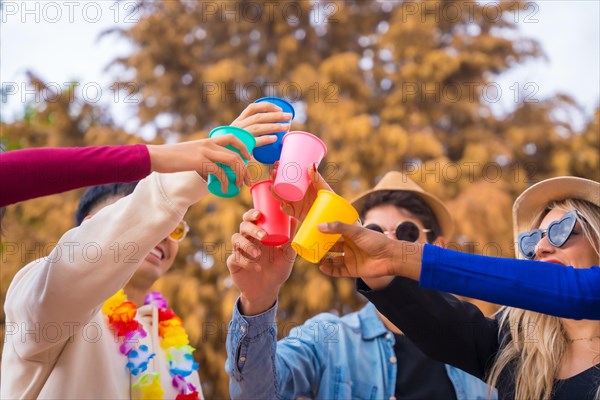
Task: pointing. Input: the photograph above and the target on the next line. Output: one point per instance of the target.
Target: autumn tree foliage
(388, 85)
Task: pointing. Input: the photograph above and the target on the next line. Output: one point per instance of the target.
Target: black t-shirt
(580, 386)
(458, 333)
(419, 377)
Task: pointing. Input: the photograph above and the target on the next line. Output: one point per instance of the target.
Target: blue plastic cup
(214, 185)
(270, 153)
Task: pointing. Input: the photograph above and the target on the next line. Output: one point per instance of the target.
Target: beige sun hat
(536, 198)
(397, 181)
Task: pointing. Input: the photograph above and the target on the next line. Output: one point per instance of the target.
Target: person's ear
(440, 241)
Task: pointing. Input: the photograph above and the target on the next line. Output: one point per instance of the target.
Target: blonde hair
(536, 343)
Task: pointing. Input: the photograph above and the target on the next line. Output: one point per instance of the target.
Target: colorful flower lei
(121, 318)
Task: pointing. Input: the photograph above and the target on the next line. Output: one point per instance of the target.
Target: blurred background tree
(387, 85)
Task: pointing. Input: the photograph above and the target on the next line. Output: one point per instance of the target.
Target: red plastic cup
(300, 151)
(274, 221)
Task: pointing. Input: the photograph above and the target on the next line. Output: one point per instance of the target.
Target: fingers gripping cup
(214, 185)
(274, 221)
(300, 151)
(270, 153)
(312, 244)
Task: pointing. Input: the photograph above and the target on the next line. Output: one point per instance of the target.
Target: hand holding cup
(312, 244)
(229, 188)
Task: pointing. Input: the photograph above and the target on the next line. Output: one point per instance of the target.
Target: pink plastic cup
(300, 150)
(274, 221)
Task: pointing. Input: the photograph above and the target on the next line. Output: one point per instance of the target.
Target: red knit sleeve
(29, 173)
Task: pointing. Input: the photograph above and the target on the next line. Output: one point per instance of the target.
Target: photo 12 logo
(226, 92)
(71, 252)
(54, 12)
(52, 92)
(469, 11)
(317, 12)
(130, 12)
(488, 92)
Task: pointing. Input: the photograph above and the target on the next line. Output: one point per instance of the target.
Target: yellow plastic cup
(312, 244)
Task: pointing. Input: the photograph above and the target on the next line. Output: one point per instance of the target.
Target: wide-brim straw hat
(397, 181)
(536, 198)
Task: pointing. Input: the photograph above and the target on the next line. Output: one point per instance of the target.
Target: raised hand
(257, 270)
(262, 119)
(368, 254)
(201, 156)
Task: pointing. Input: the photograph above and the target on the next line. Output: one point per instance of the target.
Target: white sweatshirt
(58, 344)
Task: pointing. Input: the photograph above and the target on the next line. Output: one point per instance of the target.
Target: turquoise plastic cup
(272, 152)
(214, 185)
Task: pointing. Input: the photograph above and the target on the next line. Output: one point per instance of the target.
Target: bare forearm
(258, 305)
(161, 158)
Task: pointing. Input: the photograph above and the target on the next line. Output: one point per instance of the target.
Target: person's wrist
(154, 152)
(406, 259)
(397, 253)
(255, 305)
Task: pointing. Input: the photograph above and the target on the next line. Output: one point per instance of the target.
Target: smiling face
(577, 251)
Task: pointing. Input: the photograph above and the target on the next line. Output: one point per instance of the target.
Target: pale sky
(59, 41)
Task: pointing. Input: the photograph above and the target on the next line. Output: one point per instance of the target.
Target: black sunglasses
(558, 233)
(407, 231)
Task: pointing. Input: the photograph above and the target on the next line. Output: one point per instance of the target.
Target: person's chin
(151, 266)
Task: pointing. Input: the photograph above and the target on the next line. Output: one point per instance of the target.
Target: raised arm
(30, 173)
(93, 261)
(532, 285)
(547, 288)
(260, 367)
(258, 272)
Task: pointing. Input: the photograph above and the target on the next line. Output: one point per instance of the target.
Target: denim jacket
(328, 357)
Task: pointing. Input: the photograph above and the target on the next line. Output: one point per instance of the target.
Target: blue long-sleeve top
(533, 285)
